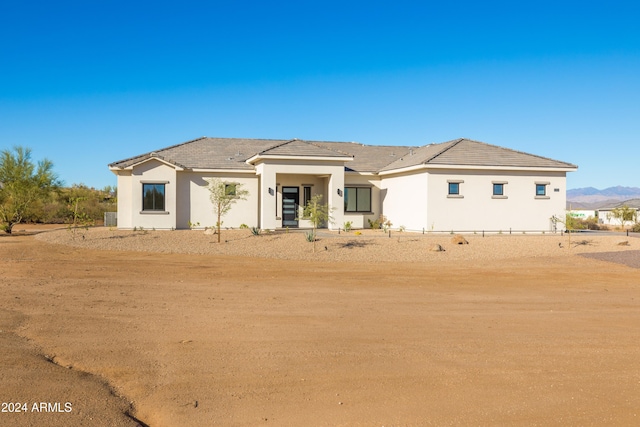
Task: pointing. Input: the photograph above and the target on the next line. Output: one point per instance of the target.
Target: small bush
(244, 226)
(255, 231)
(348, 225)
(636, 227)
(310, 236)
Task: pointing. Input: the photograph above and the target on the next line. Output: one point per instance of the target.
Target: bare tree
(223, 196)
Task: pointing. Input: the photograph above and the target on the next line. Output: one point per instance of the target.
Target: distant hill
(592, 198)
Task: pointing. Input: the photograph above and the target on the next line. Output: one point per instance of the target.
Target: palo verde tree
(317, 213)
(223, 196)
(22, 183)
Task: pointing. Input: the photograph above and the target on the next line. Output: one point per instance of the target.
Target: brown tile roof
(232, 153)
(466, 152)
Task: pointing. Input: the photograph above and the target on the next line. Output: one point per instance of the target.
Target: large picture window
(153, 197)
(357, 199)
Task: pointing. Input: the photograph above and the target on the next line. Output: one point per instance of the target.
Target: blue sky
(89, 83)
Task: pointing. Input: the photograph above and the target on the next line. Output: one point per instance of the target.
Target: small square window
(541, 189)
(454, 188)
(230, 189)
(498, 189)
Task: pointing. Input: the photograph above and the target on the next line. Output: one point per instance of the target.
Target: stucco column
(267, 196)
(336, 197)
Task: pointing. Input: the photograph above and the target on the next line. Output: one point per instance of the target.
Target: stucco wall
(404, 200)
(152, 171)
(478, 210)
(194, 202)
(357, 219)
(125, 214)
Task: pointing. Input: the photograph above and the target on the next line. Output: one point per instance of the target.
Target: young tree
(624, 214)
(317, 213)
(223, 196)
(22, 183)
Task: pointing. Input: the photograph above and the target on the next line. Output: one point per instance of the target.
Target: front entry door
(290, 206)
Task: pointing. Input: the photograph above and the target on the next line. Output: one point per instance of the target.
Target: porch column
(267, 197)
(336, 197)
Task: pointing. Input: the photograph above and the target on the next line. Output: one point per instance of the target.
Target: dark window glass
(454, 188)
(307, 196)
(153, 197)
(498, 189)
(541, 190)
(357, 199)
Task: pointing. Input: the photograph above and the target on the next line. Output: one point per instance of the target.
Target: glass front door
(290, 200)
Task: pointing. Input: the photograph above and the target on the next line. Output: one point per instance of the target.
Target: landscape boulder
(459, 240)
(436, 248)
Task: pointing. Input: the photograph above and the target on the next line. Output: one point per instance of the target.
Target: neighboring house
(605, 215)
(460, 185)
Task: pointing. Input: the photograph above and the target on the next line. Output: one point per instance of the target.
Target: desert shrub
(636, 227)
(244, 226)
(348, 225)
(375, 224)
(255, 231)
(310, 236)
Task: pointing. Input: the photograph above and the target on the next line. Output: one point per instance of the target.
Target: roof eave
(257, 157)
(478, 167)
(133, 165)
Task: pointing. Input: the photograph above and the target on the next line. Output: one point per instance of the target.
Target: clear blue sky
(87, 83)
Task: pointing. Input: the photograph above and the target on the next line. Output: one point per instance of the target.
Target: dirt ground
(162, 339)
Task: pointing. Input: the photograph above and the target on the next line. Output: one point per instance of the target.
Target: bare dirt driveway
(196, 340)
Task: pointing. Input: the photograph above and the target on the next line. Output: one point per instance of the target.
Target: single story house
(606, 217)
(460, 185)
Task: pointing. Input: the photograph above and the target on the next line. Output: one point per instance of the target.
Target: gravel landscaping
(362, 246)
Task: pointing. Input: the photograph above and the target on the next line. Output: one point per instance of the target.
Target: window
(454, 189)
(498, 189)
(357, 199)
(230, 189)
(541, 190)
(153, 197)
(306, 196)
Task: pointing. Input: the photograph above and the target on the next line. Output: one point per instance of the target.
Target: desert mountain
(592, 198)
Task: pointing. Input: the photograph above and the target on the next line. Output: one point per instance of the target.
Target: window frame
(357, 189)
(306, 195)
(163, 185)
(544, 186)
(498, 185)
(228, 186)
(457, 183)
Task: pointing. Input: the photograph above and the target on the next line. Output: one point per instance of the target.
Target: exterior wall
(125, 207)
(359, 219)
(477, 209)
(150, 172)
(194, 203)
(273, 171)
(405, 200)
(318, 186)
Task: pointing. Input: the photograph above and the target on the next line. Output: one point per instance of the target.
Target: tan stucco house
(459, 185)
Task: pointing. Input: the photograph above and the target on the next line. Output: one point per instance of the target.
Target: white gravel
(369, 246)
